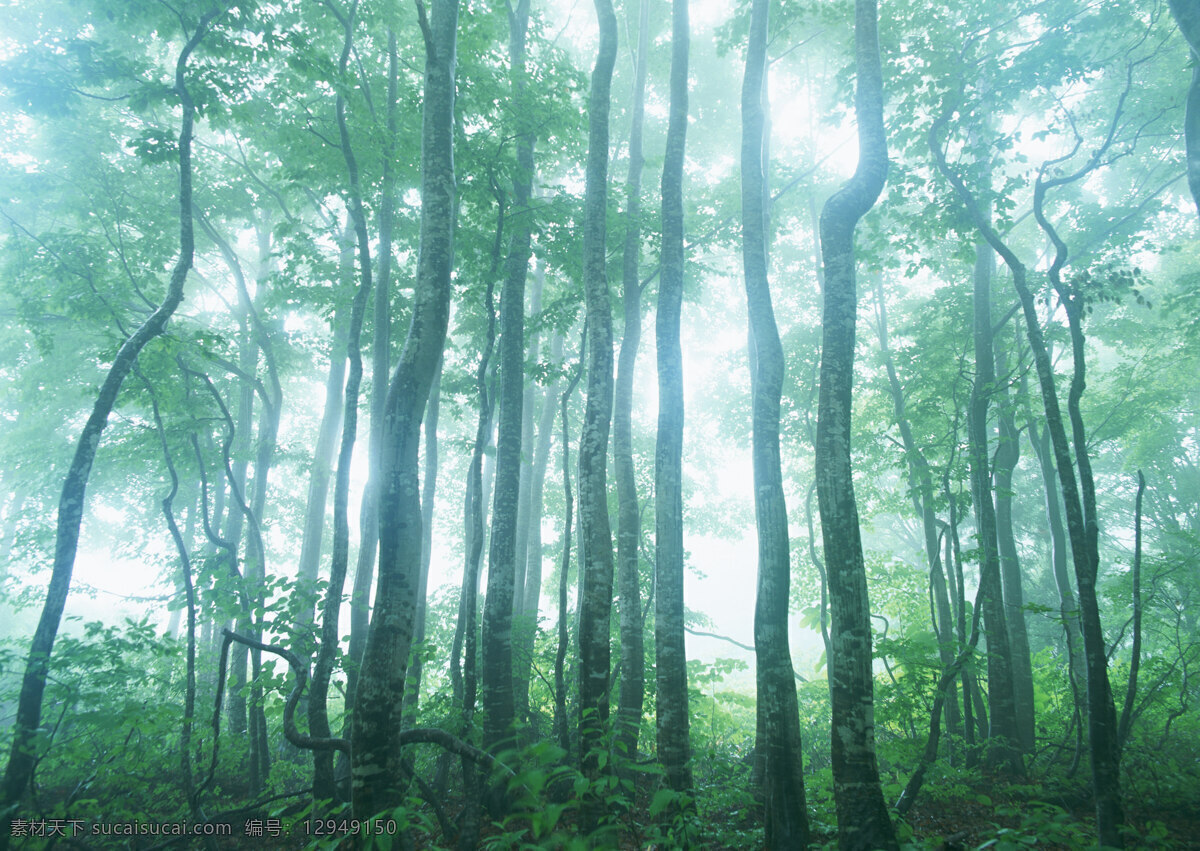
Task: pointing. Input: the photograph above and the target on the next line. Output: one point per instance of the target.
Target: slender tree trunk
(1068, 607)
(525, 492)
(629, 518)
(1007, 454)
(921, 483)
(1005, 751)
(327, 439)
(561, 726)
(1135, 660)
(1082, 526)
(412, 695)
(327, 652)
(531, 598)
(863, 820)
(497, 683)
(596, 576)
(674, 748)
(778, 713)
(381, 358)
(376, 753)
(23, 756)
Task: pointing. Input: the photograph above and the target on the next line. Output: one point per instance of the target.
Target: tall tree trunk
(498, 607)
(324, 788)
(376, 754)
(1005, 751)
(1008, 453)
(381, 358)
(674, 748)
(778, 712)
(23, 756)
(863, 821)
(1135, 659)
(327, 440)
(1082, 525)
(561, 726)
(596, 577)
(629, 518)
(1068, 607)
(525, 492)
(412, 695)
(531, 598)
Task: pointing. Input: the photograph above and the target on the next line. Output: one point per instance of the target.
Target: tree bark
(532, 596)
(596, 578)
(1081, 518)
(674, 749)
(863, 820)
(412, 694)
(1004, 752)
(498, 607)
(327, 439)
(377, 766)
(1008, 453)
(778, 713)
(629, 525)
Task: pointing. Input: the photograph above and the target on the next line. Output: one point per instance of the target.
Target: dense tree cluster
(327, 321)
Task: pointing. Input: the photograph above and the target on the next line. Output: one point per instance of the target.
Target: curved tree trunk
(376, 763)
(863, 820)
(23, 756)
(778, 713)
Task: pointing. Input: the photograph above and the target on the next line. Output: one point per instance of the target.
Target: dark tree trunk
(1135, 660)
(863, 820)
(23, 756)
(324, 788)
(1008, 453)
(376, 754)
(596, 577)
(778, 713)
(381, 343)
(1004, 752)
(498, 607)
(629, 518)
(674, 751)
(1078, 496)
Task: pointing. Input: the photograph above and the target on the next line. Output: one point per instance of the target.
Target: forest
(627, 424)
